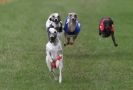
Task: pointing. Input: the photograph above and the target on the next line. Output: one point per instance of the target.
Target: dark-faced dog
(54, 55)
(106, 29)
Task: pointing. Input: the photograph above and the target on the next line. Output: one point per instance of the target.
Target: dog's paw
(65, 44)
(55, 78)
(99, 33)
(115, 45)
(71, 43)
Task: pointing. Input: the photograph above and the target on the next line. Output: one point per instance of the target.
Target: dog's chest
(56, 25)
(71, 27)
(54, 49)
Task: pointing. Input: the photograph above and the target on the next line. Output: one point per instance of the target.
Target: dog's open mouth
(52, 39)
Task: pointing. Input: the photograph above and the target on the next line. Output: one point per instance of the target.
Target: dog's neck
(55, 42)
(55, 25)
(71, 26)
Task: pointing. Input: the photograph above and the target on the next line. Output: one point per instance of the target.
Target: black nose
(73, 19)
(56, 20)
(52, 39)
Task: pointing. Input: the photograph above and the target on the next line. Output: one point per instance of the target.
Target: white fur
(52, 50)
(49, 23)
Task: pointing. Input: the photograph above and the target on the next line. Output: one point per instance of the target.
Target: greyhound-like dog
(106, 29)
(54, 54)
(71, 28)
(54, 21)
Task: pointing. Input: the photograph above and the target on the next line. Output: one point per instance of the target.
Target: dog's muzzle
(73, 19)
(56, 20)
(53, 38)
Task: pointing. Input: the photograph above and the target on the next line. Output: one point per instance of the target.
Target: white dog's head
(52, 35)
(72, 16)
(55, 17)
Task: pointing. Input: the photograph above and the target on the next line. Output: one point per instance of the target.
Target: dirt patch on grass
(5, 1)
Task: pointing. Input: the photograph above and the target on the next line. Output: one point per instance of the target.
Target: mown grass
(93, 63)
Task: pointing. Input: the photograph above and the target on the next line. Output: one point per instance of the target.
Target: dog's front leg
(67, 39)
(60, 75)
(74, 38)
(113, 38)
(60, 71)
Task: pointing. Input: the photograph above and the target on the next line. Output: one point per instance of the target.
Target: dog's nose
(73, 19)
(56, 19)
(52, 38)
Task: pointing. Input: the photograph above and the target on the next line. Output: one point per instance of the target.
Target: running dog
(71, 28)
(106, 29)
(54, 54)
(54, 21)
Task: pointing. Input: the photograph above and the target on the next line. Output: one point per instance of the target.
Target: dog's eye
(55, 32)
(53, 16)
(70, 15)
(75, 16)
(58, 17)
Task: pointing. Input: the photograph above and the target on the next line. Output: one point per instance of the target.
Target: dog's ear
(51, 18)
(76, 16)
(59, 18)
(69, 14)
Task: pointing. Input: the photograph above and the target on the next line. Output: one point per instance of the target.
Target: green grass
(93, 63)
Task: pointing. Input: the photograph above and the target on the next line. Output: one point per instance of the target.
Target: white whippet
(54, 54)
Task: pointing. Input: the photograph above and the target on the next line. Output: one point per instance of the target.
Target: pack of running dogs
(70, 30)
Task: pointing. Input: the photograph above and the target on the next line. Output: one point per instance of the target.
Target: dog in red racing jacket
(54, 55)
(106, 29)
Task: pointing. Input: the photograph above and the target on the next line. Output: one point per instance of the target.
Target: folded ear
(69, 14)
(51, 18)
(59, 18)
(75, 15)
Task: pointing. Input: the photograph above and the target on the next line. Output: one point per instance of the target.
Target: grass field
(93, 63)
